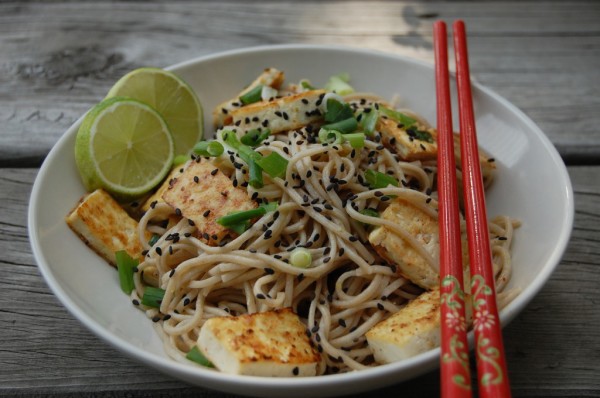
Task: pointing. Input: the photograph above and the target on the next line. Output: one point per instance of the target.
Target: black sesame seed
(178, 211)
(342, 323)
(384, 198)
(269, 271)
(186, 301)
(428, 200)
(380, 306)
(215, 171)
(172, 273)
(166, 317)
(352, 238)
(158, 251)
(153, 204)
(155, 318)
(260, 296)
(135, 302)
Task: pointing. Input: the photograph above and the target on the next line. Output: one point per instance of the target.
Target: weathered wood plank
(59, 58)
(552, 347)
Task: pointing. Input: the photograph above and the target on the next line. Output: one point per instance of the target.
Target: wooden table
(59, 58)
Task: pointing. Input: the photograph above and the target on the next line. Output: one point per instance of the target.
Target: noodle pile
(348, 288)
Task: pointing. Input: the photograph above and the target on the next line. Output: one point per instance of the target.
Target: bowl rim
(213, 379)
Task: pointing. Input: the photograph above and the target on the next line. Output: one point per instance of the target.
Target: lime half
(123, 146)
(173, 98)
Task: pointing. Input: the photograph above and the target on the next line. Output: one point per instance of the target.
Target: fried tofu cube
(415, 143)
(203, 194)
(281, 114)
(105, 227)
(157, 196)
(270, 77)
(412, 330)
(270, 343)
(394, 248)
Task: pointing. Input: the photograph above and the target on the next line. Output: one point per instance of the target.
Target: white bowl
(532, 184)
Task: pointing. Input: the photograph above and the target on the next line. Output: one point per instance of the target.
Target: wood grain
(59, 58)
(552, 347)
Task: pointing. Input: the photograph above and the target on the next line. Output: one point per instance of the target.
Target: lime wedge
(173, 98)
(123, 146)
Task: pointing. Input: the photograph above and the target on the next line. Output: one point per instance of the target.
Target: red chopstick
(491, 364)
(454, 361)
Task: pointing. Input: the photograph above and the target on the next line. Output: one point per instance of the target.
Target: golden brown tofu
(270, 343)
(412, 330)
(281, 114)
(395, 249)
(157, 196)
(203, 197)
(105, 227)
(411, 144)
(270, 77)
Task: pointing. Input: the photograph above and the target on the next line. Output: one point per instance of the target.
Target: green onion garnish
(369, 120)
(337, 111)
(208, 148)
(273, 164)
(254, 137)
(301, 258)
(195, 355)
(376, 180)
(423, 136)
(343, 126)
(153, 239)
(356, 140)
(330, 136)
(125, 266)
(252, 96)
(240, 228)
(269, 207)
(180, 159)
(407, 121)
(239, 221)
(339, 84)
(306, 84)
(153, 296)
(245, 152)
(255, 174)
(241, 216)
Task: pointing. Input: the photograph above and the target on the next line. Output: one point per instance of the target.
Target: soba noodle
(348, 288)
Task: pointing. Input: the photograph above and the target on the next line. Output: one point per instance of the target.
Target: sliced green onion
(269, 207)
(376, 180)
(153, 239)
(369, 120)
(330, 136)
(306, 84)
(245, 152)
(423, 135)
(240, 228)
(125, 266)
(406, 120)
(180, 159)
(370, 213)
(339, 84)
(301, 258)
(356, 140)
(337, 111)
(208, 148)
(343, 126)
(254, 137)
(239, 221)
(241, 216)
(252, 96)
(195, 355)
(255, 174)
(153, 296)
(273, 164)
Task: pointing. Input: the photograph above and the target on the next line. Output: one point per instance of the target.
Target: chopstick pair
(454, 362)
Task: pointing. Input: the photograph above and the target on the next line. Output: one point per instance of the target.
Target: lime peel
(117, 159)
